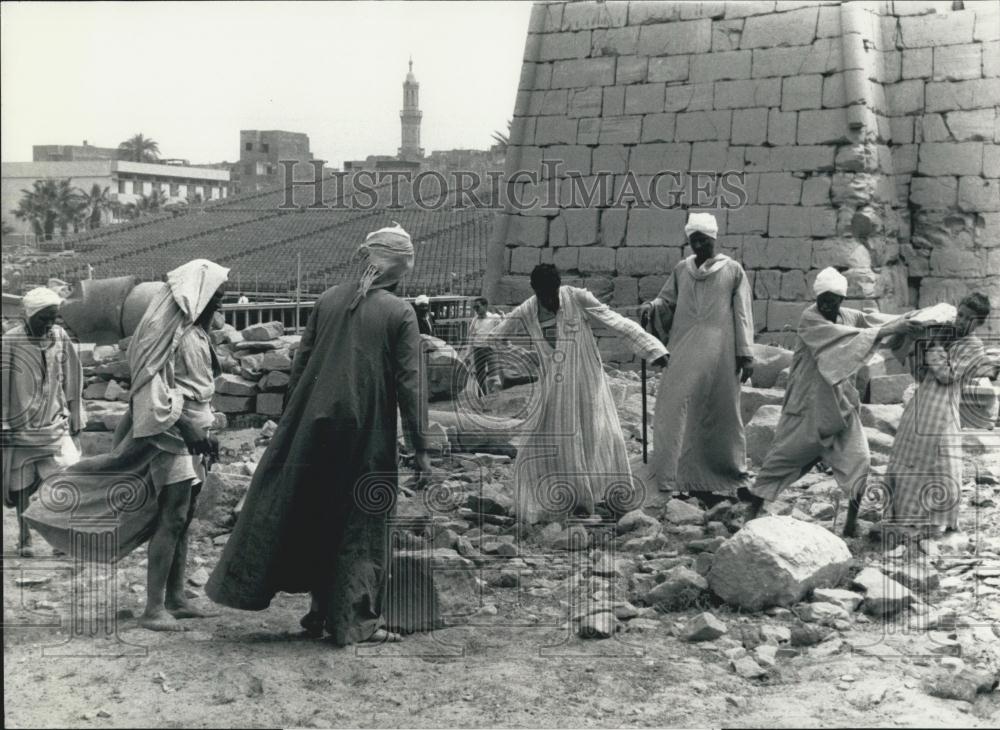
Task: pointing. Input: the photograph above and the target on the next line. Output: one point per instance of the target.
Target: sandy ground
(518, 667)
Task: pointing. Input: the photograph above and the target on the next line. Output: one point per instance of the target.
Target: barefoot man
(42, 391)
(316, 515)
(162, 441)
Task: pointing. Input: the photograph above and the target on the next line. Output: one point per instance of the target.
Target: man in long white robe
(820, 416)
(704, 314)
(572, 454)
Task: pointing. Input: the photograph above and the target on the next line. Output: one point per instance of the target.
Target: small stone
(625, 611)
(822, 613)
(747, 668)
(704, 627)
(776, 634)
(808, 635)
(198, 577)
(679, 512)
(766, 655)
(680, 588)
(637, 520)
(597, 626)
(883, 596)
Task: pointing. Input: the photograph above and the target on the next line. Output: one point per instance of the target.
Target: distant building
(409, 118)
(72, 153)
(260, 153)
(126, 180)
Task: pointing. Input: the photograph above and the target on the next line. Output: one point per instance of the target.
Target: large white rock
(752, 399)
(447, 373)
(776, 561)
(768, 361)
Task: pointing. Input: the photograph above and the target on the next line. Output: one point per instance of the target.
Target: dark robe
(316, 515)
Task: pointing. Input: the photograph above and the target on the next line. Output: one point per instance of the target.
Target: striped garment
(925, 473)
(572, 454)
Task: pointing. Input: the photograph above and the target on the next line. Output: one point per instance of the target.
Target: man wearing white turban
(316, 515)
(159, 446)
(704, 314)
(820, 416)
(42, 414)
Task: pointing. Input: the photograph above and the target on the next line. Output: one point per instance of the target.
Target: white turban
(830, 280)
(194, 284)
(422, 299)
(702, 223)
(38, 299)
(389, 253)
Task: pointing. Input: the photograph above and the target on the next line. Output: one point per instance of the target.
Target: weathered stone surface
(637, 521)
(889, 388)
(819, 612)
(227, 384)
(883, 596)
(883, 417)
(95, 391)
(704, 627)
(233, 403)
(760, 432)
(679, 512)
(848, 600)
(747, 667)
(270, 404)
(776, 561)
(680, 588)
(263, 331)
(753, 398)
(768, 361)
(219, 496)
(598, 626)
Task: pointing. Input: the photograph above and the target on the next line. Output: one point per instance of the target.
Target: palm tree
(502, 139)
(95, 204)
(143, 205)
(50, 204)
(140, 149)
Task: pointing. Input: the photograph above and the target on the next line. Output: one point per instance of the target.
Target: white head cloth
(193, 284)
(830, 280)
(38, 299)
(702, 223)
(389, 255)
(422, 299)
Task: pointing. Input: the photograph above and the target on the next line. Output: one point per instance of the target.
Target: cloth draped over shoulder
(118, 487)
(571, 452)
(704, 314)
(316, 514)
(42, 391)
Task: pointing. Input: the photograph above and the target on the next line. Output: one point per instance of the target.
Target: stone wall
(863, 146)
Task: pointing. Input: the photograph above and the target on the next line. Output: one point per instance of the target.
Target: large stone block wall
(866, 131)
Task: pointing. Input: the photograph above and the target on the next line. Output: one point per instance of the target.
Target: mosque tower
(409, 118)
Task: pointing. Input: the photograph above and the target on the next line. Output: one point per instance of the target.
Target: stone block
(263, 332)
(613, 222)
(977, 194)
(991, 60)
(581, 226)
(643, 261)
(614, 101)
(646, 13)
(767, 284)
(680, 588)
(567, 159)
(644, 98)
(883, 596)
(827, 126)
(708, 157)
(777, 561)
(889, 388)
(583, 72)
(796, 221)
(901, 130)
(270, 404)
(233, 403)
(693, 126)
(780, 188)
(670, 39)
(936, 193)
(610, 158)
(654, 227)
(726, 35)
(524, 259)
(781, 127)
(749, 126)
(620, 130)
(816, 190)
(597, 260)
(566, 258)
(834, 94)
(527, 231)
(918, 63)
(227, 384)
(822, 57)
(972, 126)
(801, 92)
(614, 42)
(658, 127)
(631, 70)
(944, 158)
(721, 66)
(747, 93)
(841, 253)
(669, 68)
(555, 130)
(626, 291)
(654, 158)
(590, 15)
(905, 97)
(748, 219)
(691, 97)
(958, 63)
(793, 286)
(782, 315)
(937, 30)
(795, 28)
(950, 96)
(585, 102)
(558, 46)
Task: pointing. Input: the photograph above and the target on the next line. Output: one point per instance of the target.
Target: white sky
(191, 75)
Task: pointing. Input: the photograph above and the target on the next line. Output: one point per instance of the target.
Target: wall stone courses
(693, 126)
(937, 29)
(944, 158)
(801, 92)
(794, 28)
(669, 68)
(666, 39)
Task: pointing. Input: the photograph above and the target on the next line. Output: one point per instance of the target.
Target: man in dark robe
(316, 515)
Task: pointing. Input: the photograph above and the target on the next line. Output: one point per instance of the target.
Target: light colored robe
(705, 316)
(572, 451)
(820, 415)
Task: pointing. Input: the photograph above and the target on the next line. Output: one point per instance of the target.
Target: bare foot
(381, 635)
(160, 621)
(184, 609)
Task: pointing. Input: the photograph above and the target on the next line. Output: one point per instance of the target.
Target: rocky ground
(612, 621)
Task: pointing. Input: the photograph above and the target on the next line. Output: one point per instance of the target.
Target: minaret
(409, 118)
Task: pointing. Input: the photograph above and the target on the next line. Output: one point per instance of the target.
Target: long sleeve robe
(705, 315)
(316, 515)
(572, 453)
